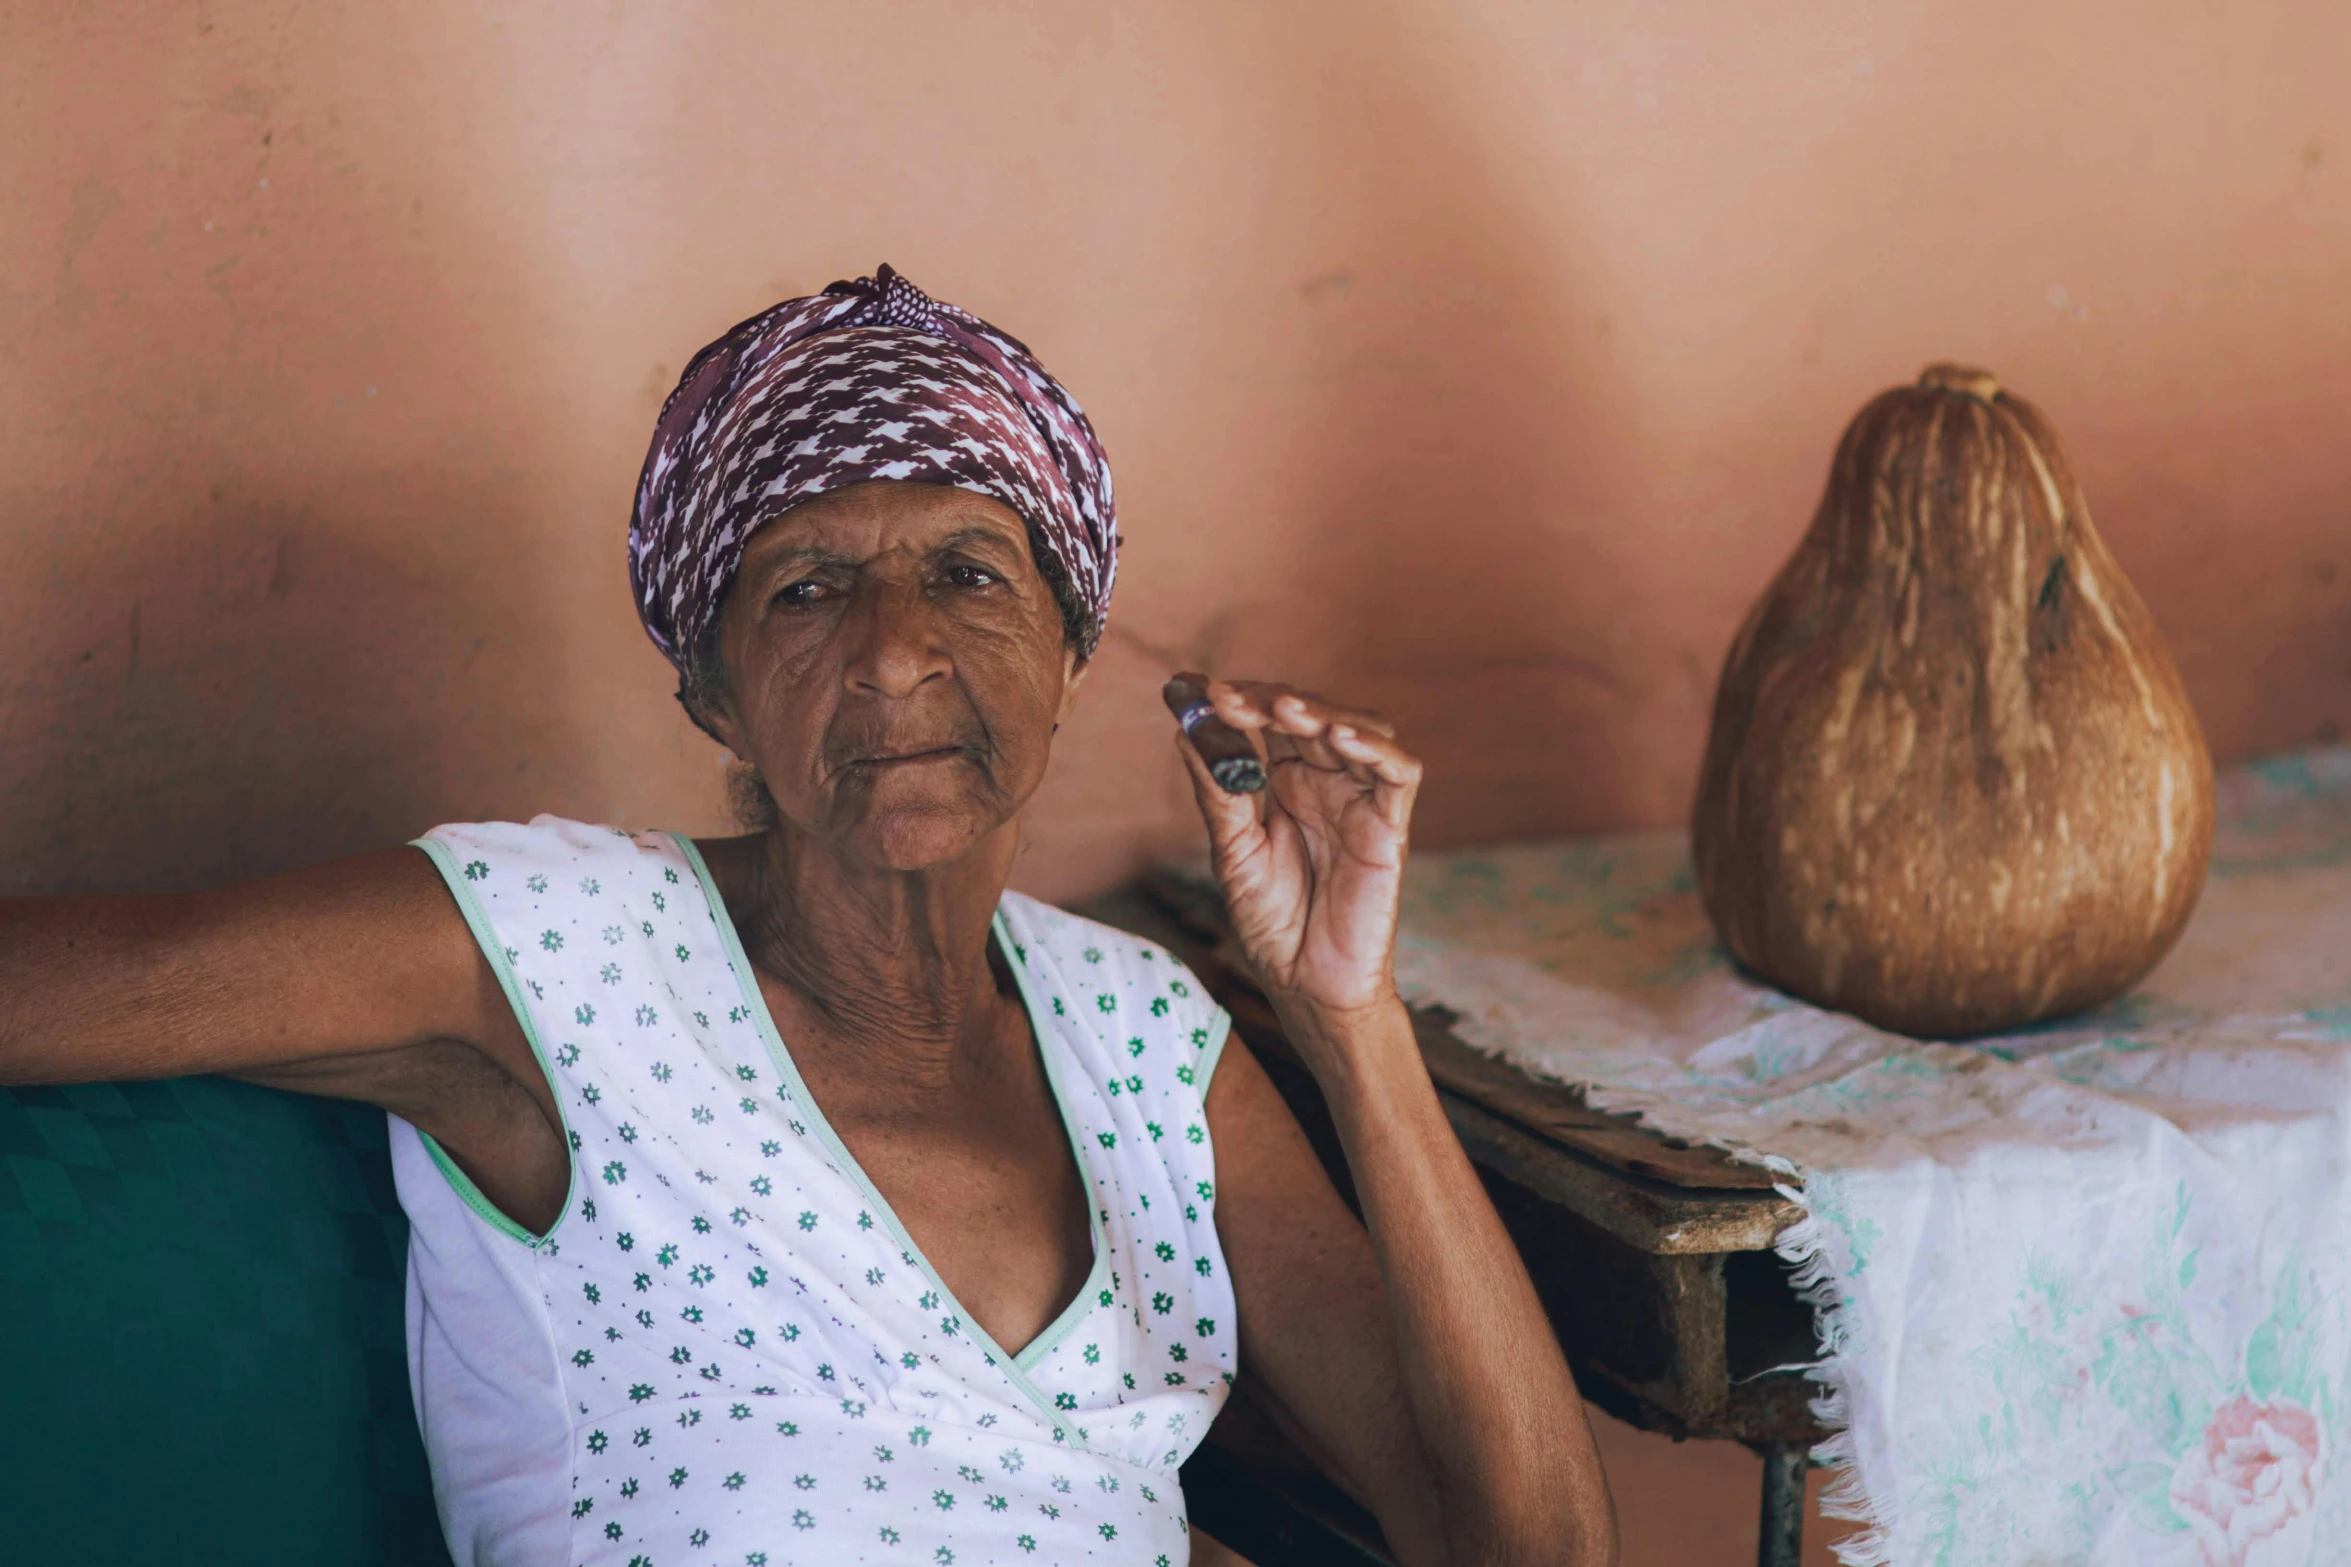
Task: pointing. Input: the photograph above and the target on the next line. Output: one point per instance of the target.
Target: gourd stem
(1966, 380)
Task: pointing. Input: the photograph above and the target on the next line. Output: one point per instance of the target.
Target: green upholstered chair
(201, 1351)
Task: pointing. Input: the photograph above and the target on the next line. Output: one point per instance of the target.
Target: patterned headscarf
(867, 380)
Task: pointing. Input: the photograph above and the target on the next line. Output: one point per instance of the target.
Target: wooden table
(1653, 1257)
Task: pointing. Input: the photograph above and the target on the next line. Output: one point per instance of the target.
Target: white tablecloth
(2082, 1289)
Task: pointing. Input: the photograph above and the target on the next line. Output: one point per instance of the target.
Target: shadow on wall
(253, 686)
(281, 585)
(1452, 437)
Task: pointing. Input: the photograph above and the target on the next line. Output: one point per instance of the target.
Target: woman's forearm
(1312, 875)
(343, 959)
(1496, 1408)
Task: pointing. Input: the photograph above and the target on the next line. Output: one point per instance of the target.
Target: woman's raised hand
(1311, 878)
(1436, 1341)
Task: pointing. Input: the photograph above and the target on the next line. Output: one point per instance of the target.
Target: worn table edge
(1606, 1168)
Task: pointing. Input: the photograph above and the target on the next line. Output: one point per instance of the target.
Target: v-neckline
(1016, 1366)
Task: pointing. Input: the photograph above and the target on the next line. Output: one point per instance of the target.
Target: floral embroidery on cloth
(737, 1354)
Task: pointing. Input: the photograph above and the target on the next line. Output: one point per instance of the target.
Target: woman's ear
(718, 725)
(1073, 675)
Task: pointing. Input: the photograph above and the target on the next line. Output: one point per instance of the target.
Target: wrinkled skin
(896, 667)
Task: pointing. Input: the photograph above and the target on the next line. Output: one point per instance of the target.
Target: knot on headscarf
(897, 302)
(871, 379)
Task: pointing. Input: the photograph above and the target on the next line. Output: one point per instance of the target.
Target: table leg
(1780, 1537)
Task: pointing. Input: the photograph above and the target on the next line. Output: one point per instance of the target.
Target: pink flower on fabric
(2251, 1478)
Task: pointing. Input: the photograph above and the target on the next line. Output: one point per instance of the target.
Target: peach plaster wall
(1476, 360)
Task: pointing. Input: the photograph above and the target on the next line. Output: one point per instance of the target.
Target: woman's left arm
(1409, 1351)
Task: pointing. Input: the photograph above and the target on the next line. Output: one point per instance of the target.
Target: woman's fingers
(1230, 817)
(1394, 773)
(1295, 724)
(1268, 704)
(1302, 729)
(1379, 753)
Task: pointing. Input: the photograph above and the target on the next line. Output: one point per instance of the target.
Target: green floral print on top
(750, 1359)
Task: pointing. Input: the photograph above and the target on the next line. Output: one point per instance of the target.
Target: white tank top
(728, 1351)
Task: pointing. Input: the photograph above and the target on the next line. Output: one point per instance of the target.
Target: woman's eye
(800, 595)
(970, 576)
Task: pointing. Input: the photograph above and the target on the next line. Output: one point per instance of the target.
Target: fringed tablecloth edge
(1803, 1245)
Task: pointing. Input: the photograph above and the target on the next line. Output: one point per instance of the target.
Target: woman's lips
(938, 753)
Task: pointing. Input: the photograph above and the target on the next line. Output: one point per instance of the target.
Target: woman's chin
(917, 836)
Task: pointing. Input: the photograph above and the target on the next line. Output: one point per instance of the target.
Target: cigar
(1232, 760)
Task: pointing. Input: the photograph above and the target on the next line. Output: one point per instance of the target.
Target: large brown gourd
(1953, 784)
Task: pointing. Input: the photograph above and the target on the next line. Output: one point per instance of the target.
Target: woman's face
(895, 668)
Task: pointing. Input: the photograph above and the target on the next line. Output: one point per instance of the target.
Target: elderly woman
(807, 1197)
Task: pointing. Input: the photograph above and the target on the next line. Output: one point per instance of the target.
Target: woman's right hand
(1312, 877)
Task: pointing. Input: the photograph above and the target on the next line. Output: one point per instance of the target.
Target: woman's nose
(896, 646)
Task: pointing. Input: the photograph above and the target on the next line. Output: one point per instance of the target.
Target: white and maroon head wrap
(867, 380)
